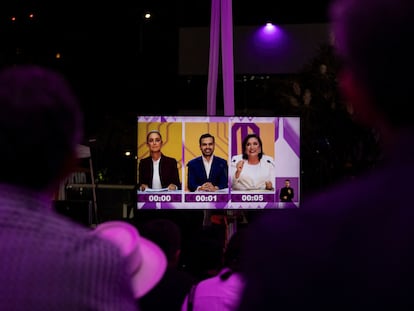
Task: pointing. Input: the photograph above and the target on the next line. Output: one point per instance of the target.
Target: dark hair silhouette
(206, 135)
(245, 143)
(232, 254)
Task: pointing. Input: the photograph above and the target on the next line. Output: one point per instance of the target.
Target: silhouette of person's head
(41, 125)
(167, 235)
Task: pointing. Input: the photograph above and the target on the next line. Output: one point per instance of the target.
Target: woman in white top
(252, 170)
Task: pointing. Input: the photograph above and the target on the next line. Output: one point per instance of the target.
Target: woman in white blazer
(252, 170)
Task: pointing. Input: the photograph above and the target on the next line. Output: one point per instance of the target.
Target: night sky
(110, 53)
(118, 64)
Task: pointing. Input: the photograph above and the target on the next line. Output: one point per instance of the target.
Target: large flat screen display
(218, 162)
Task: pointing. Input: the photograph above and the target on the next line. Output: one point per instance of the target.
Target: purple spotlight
(268, 36)
(269, 31)
(262, 49)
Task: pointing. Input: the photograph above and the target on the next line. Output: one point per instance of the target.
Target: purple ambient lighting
(268, 36)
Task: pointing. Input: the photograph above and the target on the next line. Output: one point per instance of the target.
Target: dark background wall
(285, 53)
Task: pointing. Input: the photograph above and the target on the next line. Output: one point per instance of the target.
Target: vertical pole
(227, 56)
(221, 23)
(214, 57)
(228, 84)
(95, 207)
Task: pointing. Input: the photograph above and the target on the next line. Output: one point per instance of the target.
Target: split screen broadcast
(252, 162)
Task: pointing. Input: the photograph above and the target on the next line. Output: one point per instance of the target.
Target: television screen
(218, 162)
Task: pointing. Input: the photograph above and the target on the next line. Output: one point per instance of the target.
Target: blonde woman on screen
(252, 170)
(158, 171)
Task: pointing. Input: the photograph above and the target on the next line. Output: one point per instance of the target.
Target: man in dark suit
(158, 171)
(207, 172)
(286, 193)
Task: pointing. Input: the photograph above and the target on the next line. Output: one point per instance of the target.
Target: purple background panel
(291, 137)
(250, 197)
(159, 197)
(207, 197)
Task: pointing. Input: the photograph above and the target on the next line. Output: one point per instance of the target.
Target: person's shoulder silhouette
(48, 262)
(350, 246)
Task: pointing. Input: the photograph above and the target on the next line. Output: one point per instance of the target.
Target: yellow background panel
(193, 131)
(267, 135)
(171, 133)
